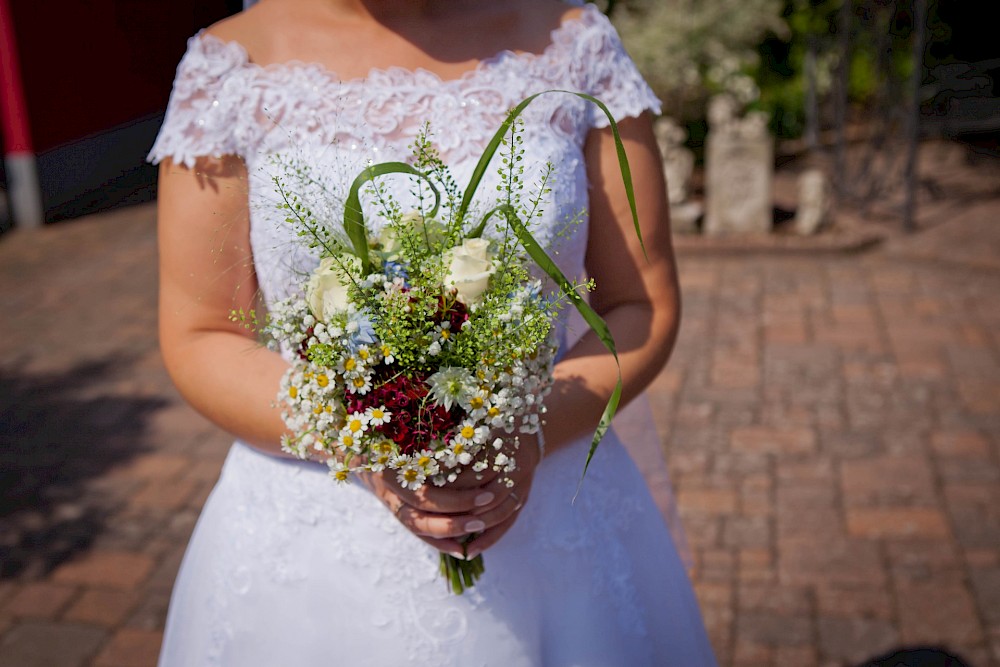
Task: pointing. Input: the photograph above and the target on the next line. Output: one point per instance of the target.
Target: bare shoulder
(250, 28)
(552, 14)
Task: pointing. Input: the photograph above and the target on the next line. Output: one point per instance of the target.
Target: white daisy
(377, 416)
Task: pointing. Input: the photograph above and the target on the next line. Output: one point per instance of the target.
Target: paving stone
(770, 629)
(764, 440)
(855, 640)
(47, 644)
(104, 607)
(743, 532)
(795, 656)
(39, 600)
(936, 612)
(897, 522)
(776, 600)
(804, 561)
(960, 444)
(853, 602)
(887, 480)
(707, 501)
(986, 588)
(751, 654)
(164, 494)
(111, 569)
(131, 648)
(154, 465)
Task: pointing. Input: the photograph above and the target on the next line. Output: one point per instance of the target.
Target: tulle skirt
(286, 567)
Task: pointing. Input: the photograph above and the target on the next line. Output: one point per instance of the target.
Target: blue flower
(396, 270)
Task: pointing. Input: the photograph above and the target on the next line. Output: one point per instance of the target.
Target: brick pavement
(832, 421)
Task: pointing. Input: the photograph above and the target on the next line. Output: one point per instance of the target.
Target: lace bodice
(223, 103)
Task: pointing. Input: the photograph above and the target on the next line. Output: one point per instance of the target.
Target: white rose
(469, 269)
(326, 290)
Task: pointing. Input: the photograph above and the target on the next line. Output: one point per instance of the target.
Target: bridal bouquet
(425, 349)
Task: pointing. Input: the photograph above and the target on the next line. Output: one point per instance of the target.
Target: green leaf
(354, 219)
(595, 321)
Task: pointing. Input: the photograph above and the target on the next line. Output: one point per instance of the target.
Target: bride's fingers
(441, 526)
(489, 537)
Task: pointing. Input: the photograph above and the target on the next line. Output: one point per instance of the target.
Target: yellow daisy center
(423, 461)
(355, 425)
(348, 441)
(468, 432)
(493, 412)
(322, 380)
(350, 364)
(364, 354)
(359, 382)
(293, 391)
(476, 402)
(459, 449)
(410, 475)
(445, 334)
(377, 414)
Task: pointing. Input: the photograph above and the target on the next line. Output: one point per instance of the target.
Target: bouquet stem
(460, 573)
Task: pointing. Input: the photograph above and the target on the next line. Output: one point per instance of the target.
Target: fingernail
(457, 554)
(484, 498)
(474, 526)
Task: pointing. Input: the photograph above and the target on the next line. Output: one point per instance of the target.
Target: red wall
(90, 65)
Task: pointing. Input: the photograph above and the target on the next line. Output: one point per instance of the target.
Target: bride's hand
(445, 516)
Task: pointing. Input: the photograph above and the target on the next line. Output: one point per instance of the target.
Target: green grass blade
(354, 219)
(590, 316)
(494, 144)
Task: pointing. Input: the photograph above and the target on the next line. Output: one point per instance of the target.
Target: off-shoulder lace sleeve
(202, 112)
(611, 76)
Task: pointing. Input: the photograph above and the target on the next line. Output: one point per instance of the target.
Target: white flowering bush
(690, 49)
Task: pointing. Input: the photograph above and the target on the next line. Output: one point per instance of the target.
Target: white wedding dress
(285, 566)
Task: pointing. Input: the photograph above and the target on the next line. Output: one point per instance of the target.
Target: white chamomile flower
(468, 433)
(381, 456)
(349, 440)
(387, 354)
(443, 333)
(411, 477)
(478, 403)
(357, 423)
(339, 470)
(350, 366)
(377, 416)
(361, 384)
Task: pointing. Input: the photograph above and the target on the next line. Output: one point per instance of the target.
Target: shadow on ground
(59, 434)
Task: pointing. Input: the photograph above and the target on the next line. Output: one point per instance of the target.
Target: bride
(286, 567)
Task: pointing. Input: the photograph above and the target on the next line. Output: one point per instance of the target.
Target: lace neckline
(565, 33)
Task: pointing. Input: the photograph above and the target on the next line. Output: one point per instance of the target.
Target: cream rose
(326, 290)
(469, 269)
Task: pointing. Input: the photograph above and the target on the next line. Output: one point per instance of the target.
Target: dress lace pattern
(285, 567)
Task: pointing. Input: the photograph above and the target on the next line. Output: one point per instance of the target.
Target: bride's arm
(206, 270)
(638, 296)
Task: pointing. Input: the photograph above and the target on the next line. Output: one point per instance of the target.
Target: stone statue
(813, 211)
(739, 164)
